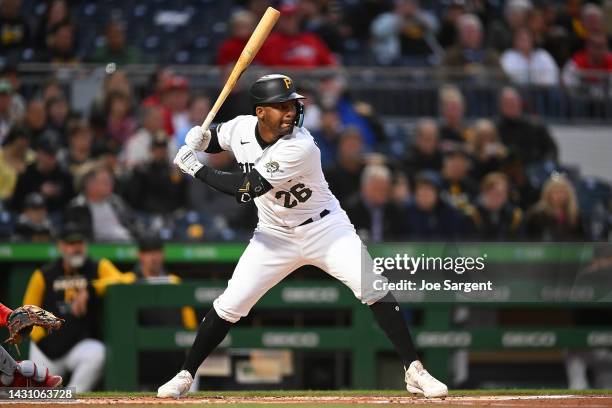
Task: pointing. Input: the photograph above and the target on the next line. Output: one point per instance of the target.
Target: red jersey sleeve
(4, 314)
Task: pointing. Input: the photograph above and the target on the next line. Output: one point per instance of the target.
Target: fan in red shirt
(289, 46)
(22, 373)
(590, 65)
(242, 24)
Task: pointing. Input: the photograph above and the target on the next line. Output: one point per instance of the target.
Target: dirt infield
(540, 401)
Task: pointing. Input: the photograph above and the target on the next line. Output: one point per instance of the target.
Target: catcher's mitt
(22, 319)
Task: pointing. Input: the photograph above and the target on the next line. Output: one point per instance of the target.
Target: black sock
(389, 317)
(211, 332)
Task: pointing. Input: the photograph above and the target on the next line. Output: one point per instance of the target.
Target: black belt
(321, 215)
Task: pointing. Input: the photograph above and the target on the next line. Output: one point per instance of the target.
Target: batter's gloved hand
(21, 321)
(198, 138)
(187, 161)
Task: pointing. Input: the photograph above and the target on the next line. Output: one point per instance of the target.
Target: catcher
(25, 373)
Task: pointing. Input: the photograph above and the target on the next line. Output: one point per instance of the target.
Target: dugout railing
(362, 339)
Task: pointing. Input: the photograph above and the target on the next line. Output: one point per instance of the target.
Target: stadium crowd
(457, 179)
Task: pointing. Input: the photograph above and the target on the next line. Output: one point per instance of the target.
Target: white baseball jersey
(280, 243)
(292, 166)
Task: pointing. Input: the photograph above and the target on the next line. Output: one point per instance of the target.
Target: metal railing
(393, 92)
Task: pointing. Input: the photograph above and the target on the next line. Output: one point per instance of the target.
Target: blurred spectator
(13, 160)
(138, 147)
(458, 187)
(105, 215)
(44, 176)
(157, 186)
(114, 83)
(452, 109)
(258, 7)
(547, 34)
(312, 110)
(494, 216)
(589, 69)
(343, 178)
(79, 151)
(360, 14)
(424, 153)
(242, 24)
(57, 12)
(199, 105)
(58, 113)
(61, 45)
(8, 114)
(115, 48)
(13, 26)
(530, 141)
(528, 66)
(404, 36)
(334, 94)
(172, 99)
(448, 27)
(328, 135)
(156, 84)
(556, 216)
(18, 102)
(501, 33)
(52, 89)
(290, 46)
(327, 21)
(178, 102)
(237, 102)
(428, 217)
(371, 210)
(487, 151)
(72, 286)
(470, 53)
(580, 22)
(33, 224)
(120, 124)
(35, 120)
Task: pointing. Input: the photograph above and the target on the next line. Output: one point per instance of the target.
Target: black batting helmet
(276, 88)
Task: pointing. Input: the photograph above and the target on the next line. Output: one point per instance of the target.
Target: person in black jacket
(156, 186)
(44, 176)
(430, 218)
(530, 141)
(425, 153)
(33, 224)
(371, 211)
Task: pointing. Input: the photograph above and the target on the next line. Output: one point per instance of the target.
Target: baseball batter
(300, 223)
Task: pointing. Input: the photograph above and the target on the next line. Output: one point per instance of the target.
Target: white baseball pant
(85, 361)
(330, 243)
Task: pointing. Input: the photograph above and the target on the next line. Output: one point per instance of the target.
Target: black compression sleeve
(222, 181)
(214, 146)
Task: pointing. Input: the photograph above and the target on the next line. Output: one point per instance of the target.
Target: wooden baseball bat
(251, 48)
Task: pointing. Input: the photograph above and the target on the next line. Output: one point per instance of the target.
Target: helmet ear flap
(299, 113)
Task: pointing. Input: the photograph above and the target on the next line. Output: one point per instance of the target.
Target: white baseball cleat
(176, 387)
(419, 381)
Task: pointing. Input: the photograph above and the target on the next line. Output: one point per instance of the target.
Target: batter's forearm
(223, 181)
(244, 187)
